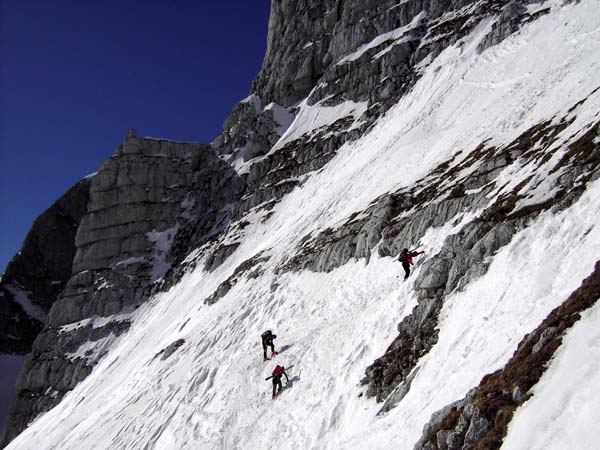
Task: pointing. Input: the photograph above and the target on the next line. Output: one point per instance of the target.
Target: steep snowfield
(211, 393)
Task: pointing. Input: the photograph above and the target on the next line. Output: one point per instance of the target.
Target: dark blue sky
(75, 75)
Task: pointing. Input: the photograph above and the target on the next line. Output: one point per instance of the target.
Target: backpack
(266, 334)
(277, 370)
(403, 255)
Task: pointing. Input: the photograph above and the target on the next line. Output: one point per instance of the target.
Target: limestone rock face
(330, 52)
(352, 48)
(39, 272)
(252, 129)
(149, 205)
(144, 199)
(297, 42)
(508, 22)
(18, 329)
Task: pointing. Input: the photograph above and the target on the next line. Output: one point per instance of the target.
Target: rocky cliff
(372, 126)
(40, 271)
(149, 205)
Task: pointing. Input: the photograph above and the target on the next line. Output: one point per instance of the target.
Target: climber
(267, 341)
(276, 376)
(406, 258)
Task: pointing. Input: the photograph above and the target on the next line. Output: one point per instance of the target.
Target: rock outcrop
(327, 53)
(349, 51)
(251, 130)
(149, 205)
(39, 272)
(368, 50)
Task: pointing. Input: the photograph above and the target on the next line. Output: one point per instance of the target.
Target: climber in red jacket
(406, 258)
(278, 372)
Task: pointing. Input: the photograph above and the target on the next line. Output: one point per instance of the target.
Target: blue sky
(75, 75)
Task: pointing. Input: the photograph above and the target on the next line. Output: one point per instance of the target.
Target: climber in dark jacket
(267, 341)
(406, 258)
(278, 372)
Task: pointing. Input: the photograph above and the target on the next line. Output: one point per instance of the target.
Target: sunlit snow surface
(211, 394)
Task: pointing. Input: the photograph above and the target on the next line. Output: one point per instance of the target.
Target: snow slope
(211, 393)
